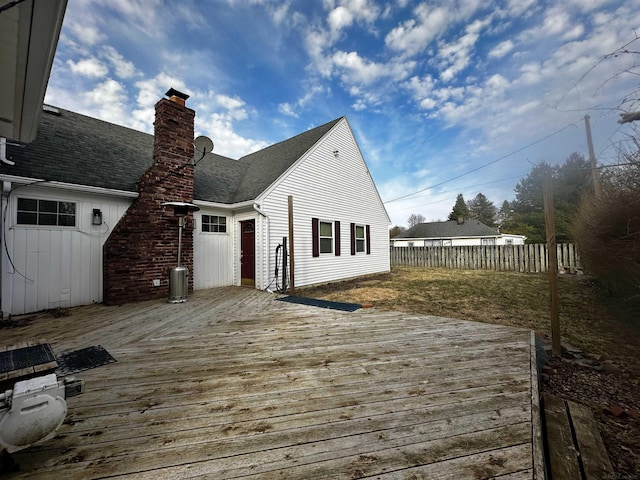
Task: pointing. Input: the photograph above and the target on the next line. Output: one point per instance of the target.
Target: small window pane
(326, 229)
(29, 204)
(359, 245)
(48, 206)
(25, 218)
(67, 207)
(326, 245)
(47, 219)
(359, 231)
(67, 220)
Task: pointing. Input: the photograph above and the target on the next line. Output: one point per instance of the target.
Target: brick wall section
(143, 246)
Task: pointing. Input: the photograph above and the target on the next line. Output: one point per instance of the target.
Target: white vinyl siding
(56, 266)
(331, 187)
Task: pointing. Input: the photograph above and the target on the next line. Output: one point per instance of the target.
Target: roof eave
(31, 30)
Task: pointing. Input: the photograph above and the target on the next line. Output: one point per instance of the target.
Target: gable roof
(449, 229)
(266, 165)
(73, 148)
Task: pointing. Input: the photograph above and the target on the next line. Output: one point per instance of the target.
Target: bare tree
(415, 219)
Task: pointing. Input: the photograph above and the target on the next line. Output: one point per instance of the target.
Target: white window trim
(78, 213)
(202, 232)
(320, 237)
(363, 239)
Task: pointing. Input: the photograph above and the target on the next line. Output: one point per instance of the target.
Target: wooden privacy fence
(511, 258)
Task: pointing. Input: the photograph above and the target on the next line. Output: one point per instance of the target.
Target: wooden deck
(234, 384)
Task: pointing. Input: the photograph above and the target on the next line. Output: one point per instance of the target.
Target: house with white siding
(83, 220)
(454, 233)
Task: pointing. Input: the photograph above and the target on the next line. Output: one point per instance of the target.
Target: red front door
(247, 252)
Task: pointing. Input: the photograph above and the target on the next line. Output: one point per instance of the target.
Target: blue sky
(432, 89)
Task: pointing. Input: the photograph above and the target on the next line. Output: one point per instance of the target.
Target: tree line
(524, 215)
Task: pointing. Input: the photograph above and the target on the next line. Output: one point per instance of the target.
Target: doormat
(26, 357)
(83, 359)
(314, 302)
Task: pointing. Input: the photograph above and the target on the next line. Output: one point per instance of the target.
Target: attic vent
(50, 109)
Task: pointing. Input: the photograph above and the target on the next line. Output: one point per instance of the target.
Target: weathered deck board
(234, 384)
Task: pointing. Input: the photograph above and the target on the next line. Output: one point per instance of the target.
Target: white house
(71, 188)
(454, 233)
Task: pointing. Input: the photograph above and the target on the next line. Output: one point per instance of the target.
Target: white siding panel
(332, 188)
(62, 266)
(213, 253)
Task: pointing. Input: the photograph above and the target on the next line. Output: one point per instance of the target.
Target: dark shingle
(450, 229)
(73, 148)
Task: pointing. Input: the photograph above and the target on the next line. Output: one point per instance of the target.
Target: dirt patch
(606, 331)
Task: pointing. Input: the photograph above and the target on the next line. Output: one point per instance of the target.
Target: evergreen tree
(570, 181)
(482, 209)
(459, 209)
(505, 215)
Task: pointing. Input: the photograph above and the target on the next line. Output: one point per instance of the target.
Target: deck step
(574, 447)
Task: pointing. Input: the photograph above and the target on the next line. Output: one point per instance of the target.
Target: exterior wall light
(96, 219)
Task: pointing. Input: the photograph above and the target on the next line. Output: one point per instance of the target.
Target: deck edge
(539, 467)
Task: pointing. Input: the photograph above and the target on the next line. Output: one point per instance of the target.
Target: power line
(489, 163)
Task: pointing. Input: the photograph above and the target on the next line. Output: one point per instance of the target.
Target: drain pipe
(3, 151)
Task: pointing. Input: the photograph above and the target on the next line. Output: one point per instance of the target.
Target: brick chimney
(143, 246)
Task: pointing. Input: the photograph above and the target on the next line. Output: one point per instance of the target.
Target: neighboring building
(454, 233)
(83, 220)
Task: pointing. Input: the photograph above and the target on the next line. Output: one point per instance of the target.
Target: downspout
(263, 279)
(3, 150)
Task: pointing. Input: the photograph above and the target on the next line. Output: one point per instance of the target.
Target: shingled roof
(449, 229)
(76, 149)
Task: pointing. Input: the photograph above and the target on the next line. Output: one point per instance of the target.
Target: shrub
(607, 229)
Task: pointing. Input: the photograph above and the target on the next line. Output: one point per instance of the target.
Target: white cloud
(358, 69)
(455, 57)
(123, 68)
(340, 18)
(501, 49)
(86, 33)
(220, 129)
(287, 109)
(109, 98)
(89, 67)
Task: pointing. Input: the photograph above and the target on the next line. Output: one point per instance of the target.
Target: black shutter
(336, 233)
(368, 233)
(315, 226)
(353, 239)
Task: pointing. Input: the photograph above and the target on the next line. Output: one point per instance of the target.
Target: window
(433, 243)
(33, 211)
(326, 237)
(214, 223)
(508, 241)
(488, 241)
(360, 240)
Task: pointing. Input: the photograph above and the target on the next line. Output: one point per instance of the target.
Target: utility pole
(592, 156)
